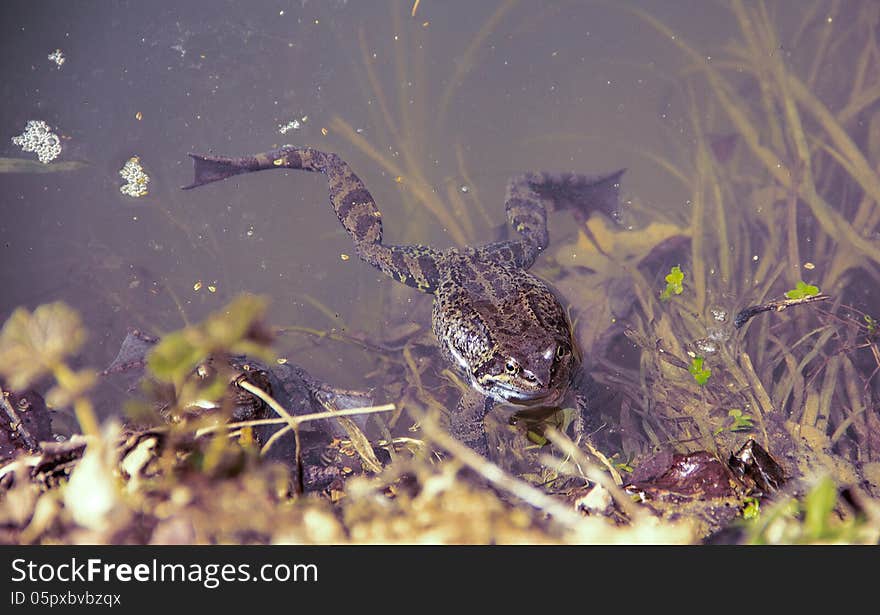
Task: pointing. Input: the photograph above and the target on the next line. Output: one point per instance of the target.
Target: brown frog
(502, 327)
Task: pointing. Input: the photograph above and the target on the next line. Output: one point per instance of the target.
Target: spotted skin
(501, 326)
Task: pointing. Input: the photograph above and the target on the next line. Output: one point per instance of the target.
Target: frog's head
(529, 369)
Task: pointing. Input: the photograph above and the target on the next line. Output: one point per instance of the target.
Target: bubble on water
(718, 334)
(719, 314)
(706, 346)
(291, 125)
(58, 57)
(464, 189)
(250, 231)
(136, 178)
(38, 138)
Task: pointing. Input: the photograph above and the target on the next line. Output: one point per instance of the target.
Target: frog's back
(489, 316)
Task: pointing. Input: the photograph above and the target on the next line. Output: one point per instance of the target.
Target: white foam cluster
(58, 57)
(38, 138)
(291, 125)
(135, 176)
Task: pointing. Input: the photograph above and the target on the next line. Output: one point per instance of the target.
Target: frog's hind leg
(531, 195)
(355, 207)
(466, 422)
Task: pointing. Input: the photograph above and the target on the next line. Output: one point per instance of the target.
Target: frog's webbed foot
(208, 169)
(466, 423)
(581, 194)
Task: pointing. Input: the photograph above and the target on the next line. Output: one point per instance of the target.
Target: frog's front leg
(466, 423)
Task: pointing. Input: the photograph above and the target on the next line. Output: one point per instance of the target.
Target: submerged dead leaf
(602, 262)
(361, 445)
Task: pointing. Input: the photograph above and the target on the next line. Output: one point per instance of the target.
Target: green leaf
(674, 280)
(699, 372)
(537, 438)
(741, 422)
(802, 290)
(819, 507)
(752, 508)
(234, 329)
(230, 325)
(31, 344)
(175, 355)
(76, 386)
(600, 262)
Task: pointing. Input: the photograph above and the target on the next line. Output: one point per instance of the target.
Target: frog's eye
(510, 367)
(561, 351)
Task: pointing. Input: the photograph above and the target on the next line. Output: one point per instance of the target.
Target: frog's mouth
(512, 395)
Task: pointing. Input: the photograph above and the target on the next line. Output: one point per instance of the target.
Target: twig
(777, 306)
(293, 422)
(16, 424)
(499, 477)
(593, 472)
(241, 383)
(233, 426)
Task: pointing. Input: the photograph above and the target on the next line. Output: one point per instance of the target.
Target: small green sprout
(809, 520)
(624, 465)
(802, 290)
(674, 280)
(537, 438)
(699, 372)
(751, 508)
(818, 509)
(741, 422)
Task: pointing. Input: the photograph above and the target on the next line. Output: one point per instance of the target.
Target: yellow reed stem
(466, 61)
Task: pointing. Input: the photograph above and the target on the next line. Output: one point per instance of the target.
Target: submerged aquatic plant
(699, 371)
(799, 191)
(813, 518)
(740, 421)
(802, 290)
(39, 343)
(674, 280)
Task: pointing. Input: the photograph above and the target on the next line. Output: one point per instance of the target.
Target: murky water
(456, 98)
